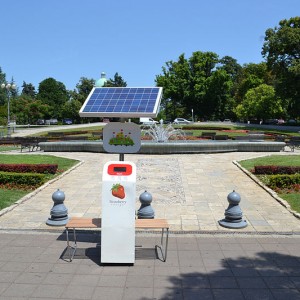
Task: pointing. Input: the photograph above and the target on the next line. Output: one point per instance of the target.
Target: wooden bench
(208, 135)
(293, 142)
(249, 137)
(98, 135)
(221, 137)
(95, 223)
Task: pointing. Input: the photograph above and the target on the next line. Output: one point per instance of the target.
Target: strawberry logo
(117, 190)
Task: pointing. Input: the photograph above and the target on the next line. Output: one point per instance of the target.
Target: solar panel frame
(124, 102)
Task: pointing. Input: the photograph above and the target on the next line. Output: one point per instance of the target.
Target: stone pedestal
(145, 211)
(233, 214)
(59, 213)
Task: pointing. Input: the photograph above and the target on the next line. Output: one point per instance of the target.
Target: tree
(77, 98)
(260, 103)
(176, 83)
(196, 84)
(71, 110)
(54, 94)
(231, 66)
(2, 91)
(117, 81)
(28, 89)
(220, 103)
(83, 88)
(282, 53)
(250, 76)
(27, 110)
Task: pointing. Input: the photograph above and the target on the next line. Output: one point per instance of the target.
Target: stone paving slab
(190, 191)
(33, 266)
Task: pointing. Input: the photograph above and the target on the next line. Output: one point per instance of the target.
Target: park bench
(30, 143)
(249, 137)
(220, 137)
(293, 142)
(73, 138)
(55, 134)
(76, 223)
(97, 134)
(208, 135)
(9, 141)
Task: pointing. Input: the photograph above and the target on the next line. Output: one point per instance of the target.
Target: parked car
(181, 121)
(271, 121)
(53, 122)
(148, 121)
(67, 121)
(40, 122)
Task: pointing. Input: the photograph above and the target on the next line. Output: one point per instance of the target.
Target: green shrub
(33, 179)
(283, 180)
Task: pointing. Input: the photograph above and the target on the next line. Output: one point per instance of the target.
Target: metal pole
(8, 87)
(8, 115)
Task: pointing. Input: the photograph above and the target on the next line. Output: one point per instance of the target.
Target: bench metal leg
(163, 248)
(71, 248)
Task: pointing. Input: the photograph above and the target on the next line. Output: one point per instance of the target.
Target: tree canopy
(54, 94)
(281, 50)
(197, 84)
(117, 81)
(204, 85)
(260, 103)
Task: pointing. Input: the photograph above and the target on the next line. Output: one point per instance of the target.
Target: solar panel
(122, 102)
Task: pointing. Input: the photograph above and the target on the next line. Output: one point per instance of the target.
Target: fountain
(161, 134)
(169, 140)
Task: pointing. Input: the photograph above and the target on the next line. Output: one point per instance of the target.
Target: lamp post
(8, 88)
(192, 115)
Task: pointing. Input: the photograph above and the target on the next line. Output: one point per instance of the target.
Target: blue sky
(70, 39)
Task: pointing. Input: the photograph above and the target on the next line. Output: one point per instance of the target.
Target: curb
(39, 189)
(268, 190)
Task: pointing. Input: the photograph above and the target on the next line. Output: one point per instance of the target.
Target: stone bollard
(59, 213)
(145, 211)
(233, 214)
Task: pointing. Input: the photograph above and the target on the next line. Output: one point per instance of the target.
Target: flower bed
(29, 168)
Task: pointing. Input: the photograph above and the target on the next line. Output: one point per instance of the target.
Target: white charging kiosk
(118, 212)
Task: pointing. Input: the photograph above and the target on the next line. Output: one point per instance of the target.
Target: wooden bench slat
(84, 223)
(151, 223)
(77, 222)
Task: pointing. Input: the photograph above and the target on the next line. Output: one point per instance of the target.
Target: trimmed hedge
(29, 168)
(22, 179)
(283, 181)
(199, 127)
(273, 170)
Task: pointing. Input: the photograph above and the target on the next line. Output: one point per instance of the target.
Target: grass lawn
(273, 160)
(63, 163)
(9, 196)
(293, 200)
(277, 160)
(8, 148)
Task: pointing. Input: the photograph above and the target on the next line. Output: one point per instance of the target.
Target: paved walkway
(189, 190)
(205, 261)
(199, 267)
